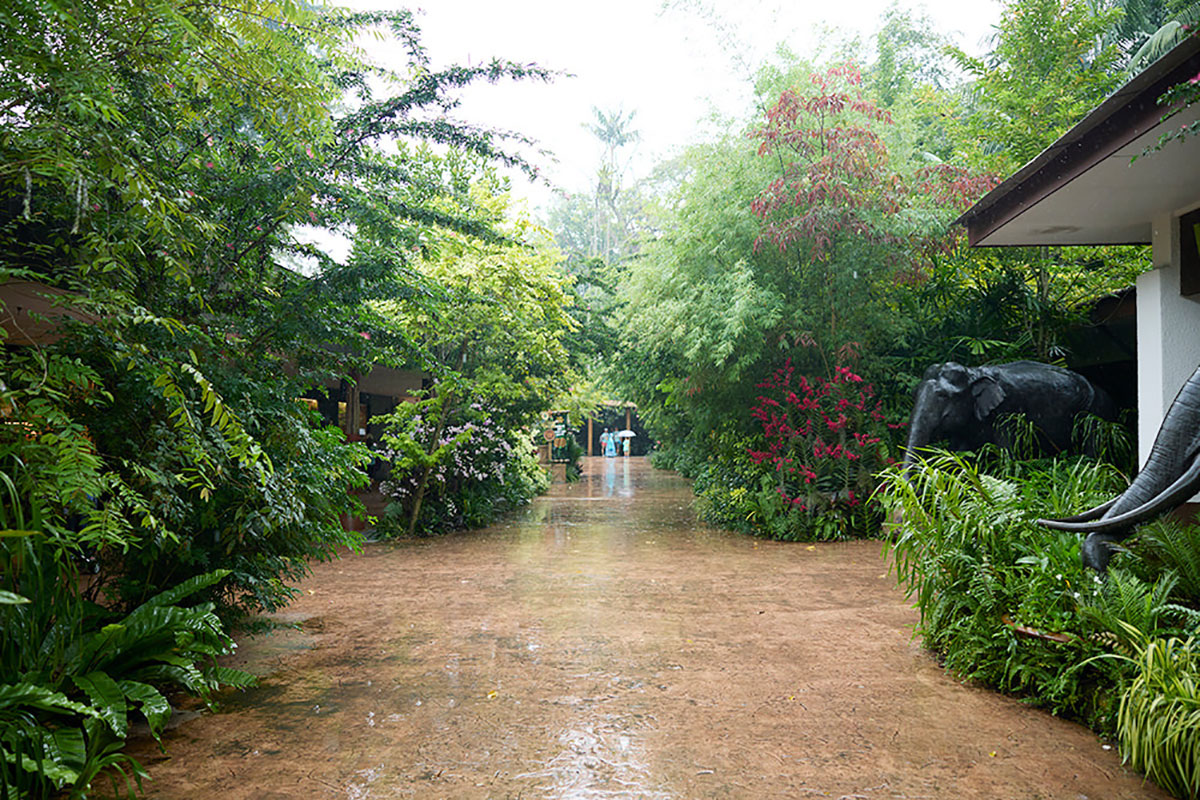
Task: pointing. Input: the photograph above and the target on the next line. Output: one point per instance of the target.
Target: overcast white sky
(666, 61)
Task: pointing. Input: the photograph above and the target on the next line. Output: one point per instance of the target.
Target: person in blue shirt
(609, 442)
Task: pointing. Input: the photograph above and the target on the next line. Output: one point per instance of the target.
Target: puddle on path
(601, 643)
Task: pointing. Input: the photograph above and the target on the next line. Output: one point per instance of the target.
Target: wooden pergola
(629, 409)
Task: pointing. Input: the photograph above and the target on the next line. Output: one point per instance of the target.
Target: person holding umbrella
(626, 437)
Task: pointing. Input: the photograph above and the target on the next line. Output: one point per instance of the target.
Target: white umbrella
(626, 434)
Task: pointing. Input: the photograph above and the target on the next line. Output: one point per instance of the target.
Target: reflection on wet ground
(603, 644)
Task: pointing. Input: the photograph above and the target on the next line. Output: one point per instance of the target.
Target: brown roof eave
(1128, 113)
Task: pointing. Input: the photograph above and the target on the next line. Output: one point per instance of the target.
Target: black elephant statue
(1171, 476)
(964, 406)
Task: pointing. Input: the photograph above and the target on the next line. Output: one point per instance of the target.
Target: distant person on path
(625, 445)
(609, 443)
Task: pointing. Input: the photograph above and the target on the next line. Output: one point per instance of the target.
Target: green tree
(1050, 66)
(1146, 29)
(698, 308)
(909, 53)
(611, 235)
(495, 338)
(501, 317)
(187, 237)
(600, 231)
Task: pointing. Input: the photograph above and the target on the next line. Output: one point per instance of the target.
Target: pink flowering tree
(823, 442)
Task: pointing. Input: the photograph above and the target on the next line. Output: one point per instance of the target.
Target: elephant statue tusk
(1170, 476)
(1178, 492)
(1083, 516)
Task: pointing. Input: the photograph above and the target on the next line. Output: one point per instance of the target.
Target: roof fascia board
(1128, 113)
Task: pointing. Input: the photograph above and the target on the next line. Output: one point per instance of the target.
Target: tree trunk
(423, 483)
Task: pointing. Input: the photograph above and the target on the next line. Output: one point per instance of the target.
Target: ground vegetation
(1007, 602)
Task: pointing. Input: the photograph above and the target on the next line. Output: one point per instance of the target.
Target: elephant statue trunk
(963, 406)
(1171, 476)
(918, 437)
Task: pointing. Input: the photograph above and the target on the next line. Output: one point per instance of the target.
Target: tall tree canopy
(1052, 63)
(168, 163)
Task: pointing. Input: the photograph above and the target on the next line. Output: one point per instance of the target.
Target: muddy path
(603, 644)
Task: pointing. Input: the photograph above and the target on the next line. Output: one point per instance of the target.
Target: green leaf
(66, 748)
(153, 705)
(27, 695)
(107, 698)
(60, 774)
(227, 676)
(189, 587)
(8, 598)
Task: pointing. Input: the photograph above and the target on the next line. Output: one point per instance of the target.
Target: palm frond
(1163, 40)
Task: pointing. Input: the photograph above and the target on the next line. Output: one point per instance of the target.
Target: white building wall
(1168, 333)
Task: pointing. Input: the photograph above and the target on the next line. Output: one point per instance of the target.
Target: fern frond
(1129, 608)
(1178, 547)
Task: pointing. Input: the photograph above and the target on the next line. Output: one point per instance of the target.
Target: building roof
(1093, 185)
(31, 313)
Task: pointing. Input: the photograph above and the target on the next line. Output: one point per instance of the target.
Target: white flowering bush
(478, 465)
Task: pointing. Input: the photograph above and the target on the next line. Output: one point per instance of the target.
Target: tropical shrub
(1007, 602)
(264, 523)
(1170, 546)
(159, 472)
(51, 469)
(999, 596)
(472, 467)
(1159, 717)
(825, 442)
(726, 482)
(574, 467)
(808, 473)
(75, 672)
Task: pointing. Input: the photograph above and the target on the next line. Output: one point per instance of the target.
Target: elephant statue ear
(989, 394)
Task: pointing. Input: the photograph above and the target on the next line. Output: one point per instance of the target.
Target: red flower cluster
(823, 437)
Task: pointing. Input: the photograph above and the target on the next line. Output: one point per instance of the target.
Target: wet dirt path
(601, 643)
